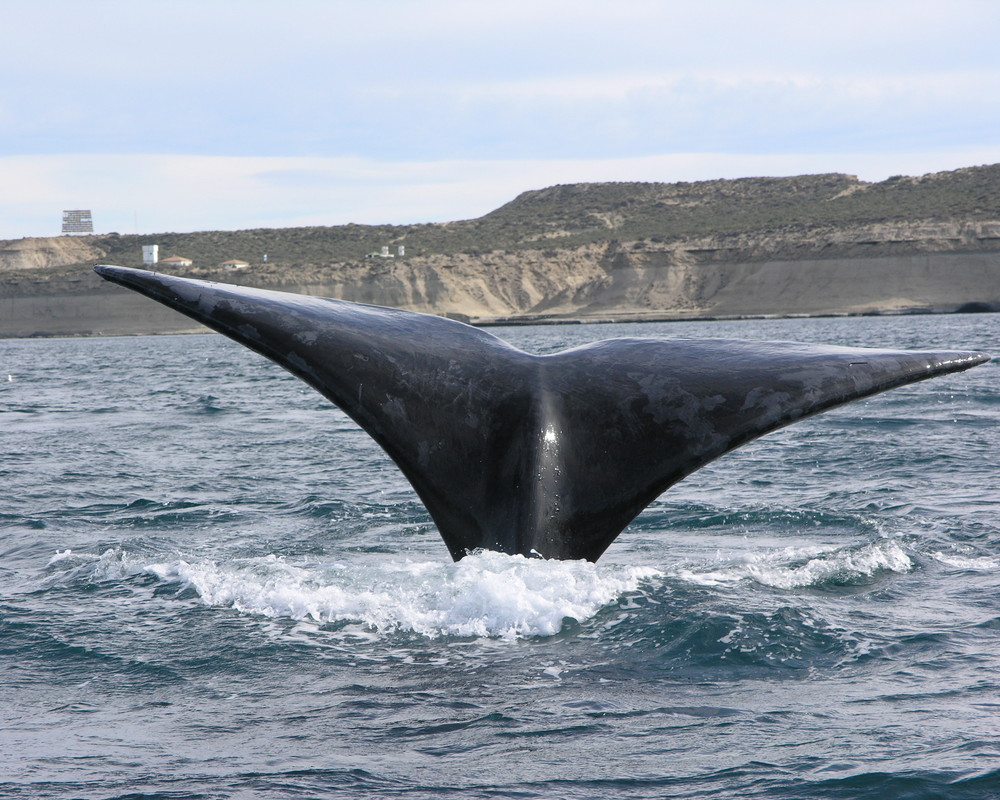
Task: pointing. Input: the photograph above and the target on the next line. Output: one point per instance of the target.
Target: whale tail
(539, 455)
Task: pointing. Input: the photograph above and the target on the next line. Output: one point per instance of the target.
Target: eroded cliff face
(41, 253)
(47, 287)
(484, 285)
(774, 275)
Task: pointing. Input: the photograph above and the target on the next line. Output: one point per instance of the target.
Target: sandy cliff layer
(592, 282)
(826, 244)
(41, 253)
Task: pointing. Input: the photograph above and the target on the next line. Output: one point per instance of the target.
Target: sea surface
(214, 585)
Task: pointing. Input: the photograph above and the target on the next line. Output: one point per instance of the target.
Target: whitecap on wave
(801, 567)
(486, 594)
(968, 563)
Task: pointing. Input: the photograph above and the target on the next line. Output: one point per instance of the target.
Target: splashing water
(486, 594)
(803, 567)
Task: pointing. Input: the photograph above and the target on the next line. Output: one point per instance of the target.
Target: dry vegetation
(566, 217)
(811, 244)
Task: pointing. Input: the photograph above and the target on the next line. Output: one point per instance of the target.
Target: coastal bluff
(806, 245)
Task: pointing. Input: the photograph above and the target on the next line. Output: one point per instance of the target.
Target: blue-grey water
(213, 585)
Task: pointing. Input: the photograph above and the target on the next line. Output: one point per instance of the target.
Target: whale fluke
(539, 455)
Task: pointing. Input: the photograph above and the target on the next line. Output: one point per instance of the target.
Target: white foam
(791, 568)
(484, 595)
(972, 564)
(61, 555)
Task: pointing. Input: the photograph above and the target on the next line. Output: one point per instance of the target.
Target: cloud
(189, 114)
(436, 79)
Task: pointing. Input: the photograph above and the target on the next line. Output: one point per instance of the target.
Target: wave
(805, 567)
(485, 595)
(968, 563)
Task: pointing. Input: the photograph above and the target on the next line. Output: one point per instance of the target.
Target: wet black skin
(539, 455)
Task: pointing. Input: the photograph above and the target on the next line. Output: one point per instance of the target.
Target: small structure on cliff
(77, 221)
(383, 253)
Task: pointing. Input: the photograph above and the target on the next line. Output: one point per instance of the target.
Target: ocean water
(213, 585)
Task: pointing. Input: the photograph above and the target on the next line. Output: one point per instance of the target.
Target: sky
(180, 115)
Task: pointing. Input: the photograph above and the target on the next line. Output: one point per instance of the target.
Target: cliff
(820, 244)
